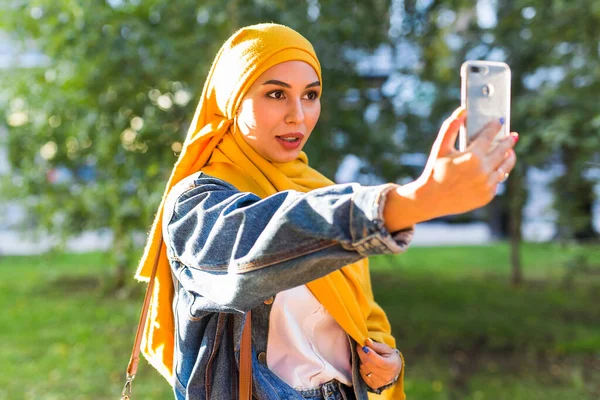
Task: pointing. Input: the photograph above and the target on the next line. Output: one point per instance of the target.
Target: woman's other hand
(453, 182)
(379, 364)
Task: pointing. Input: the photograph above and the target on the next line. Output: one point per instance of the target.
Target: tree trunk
(121, 247)
(574, 198)
(516, 201)
(498, 216)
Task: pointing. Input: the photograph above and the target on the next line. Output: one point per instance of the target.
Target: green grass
(465, 332)
(62, 338)
(540, 261)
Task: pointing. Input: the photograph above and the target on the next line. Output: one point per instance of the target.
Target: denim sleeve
(236, 249)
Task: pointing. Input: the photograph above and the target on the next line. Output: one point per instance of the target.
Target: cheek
(313, 114)
(263, 115)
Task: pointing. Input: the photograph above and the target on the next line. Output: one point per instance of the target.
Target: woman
(245, 224)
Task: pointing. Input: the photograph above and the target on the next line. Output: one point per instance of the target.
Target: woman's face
(280, 110)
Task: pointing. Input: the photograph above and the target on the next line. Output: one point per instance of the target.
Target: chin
(283, 158)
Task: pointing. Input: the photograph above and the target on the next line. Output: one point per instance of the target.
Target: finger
(380, 348)
(499, 154)
(364, 357)
(483, 138)
(375, 372)
(499, 174)
(449, 132)
(369, 357)
(509, 164)
(373, 380)
(367, 373)
(437, 145)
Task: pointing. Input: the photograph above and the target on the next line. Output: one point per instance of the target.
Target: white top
(306, 346)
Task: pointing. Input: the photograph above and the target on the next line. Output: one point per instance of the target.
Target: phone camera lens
(487, 90)
(475, 69)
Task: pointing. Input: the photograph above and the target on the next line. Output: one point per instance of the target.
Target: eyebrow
(287, 85)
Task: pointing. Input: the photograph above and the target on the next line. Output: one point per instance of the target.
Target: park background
(95, 100)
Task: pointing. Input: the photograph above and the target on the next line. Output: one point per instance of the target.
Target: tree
(112, 106)
(557, 65)
(552, 50)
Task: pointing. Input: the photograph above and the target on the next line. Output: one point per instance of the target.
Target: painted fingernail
(365, 349)
(515, 137)
(502, 120)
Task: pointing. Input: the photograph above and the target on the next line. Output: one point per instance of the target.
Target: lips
(290, 141)
(293, 135)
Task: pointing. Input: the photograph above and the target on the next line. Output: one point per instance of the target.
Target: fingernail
(502, 120)
(369, 341)
(365, 349)
(516, 137)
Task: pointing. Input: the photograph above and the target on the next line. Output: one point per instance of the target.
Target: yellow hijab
(212, 146)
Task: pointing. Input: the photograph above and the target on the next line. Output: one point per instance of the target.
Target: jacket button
(262, 357)
(269, 301)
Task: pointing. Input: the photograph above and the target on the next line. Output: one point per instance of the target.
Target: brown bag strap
(137, 344)
(246, 359)
(245, 349)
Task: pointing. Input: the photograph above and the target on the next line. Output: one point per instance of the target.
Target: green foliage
(118, 93)
(552, 49)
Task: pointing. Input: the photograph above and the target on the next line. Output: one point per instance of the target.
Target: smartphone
(485, 94)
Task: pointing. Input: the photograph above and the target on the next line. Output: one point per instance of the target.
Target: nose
(295, 112)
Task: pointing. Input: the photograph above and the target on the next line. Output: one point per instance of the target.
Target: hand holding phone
(485, 95)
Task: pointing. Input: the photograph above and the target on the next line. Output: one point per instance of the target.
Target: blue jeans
(332, 390)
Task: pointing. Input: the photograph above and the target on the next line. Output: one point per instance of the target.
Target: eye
(277, 94)
(312, 95)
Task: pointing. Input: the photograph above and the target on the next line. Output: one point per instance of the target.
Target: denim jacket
(231, 252)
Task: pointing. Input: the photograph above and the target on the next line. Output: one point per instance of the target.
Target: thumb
(449, 132)
(380, 348)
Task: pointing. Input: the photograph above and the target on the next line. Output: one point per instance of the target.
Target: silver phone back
(485, 94)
